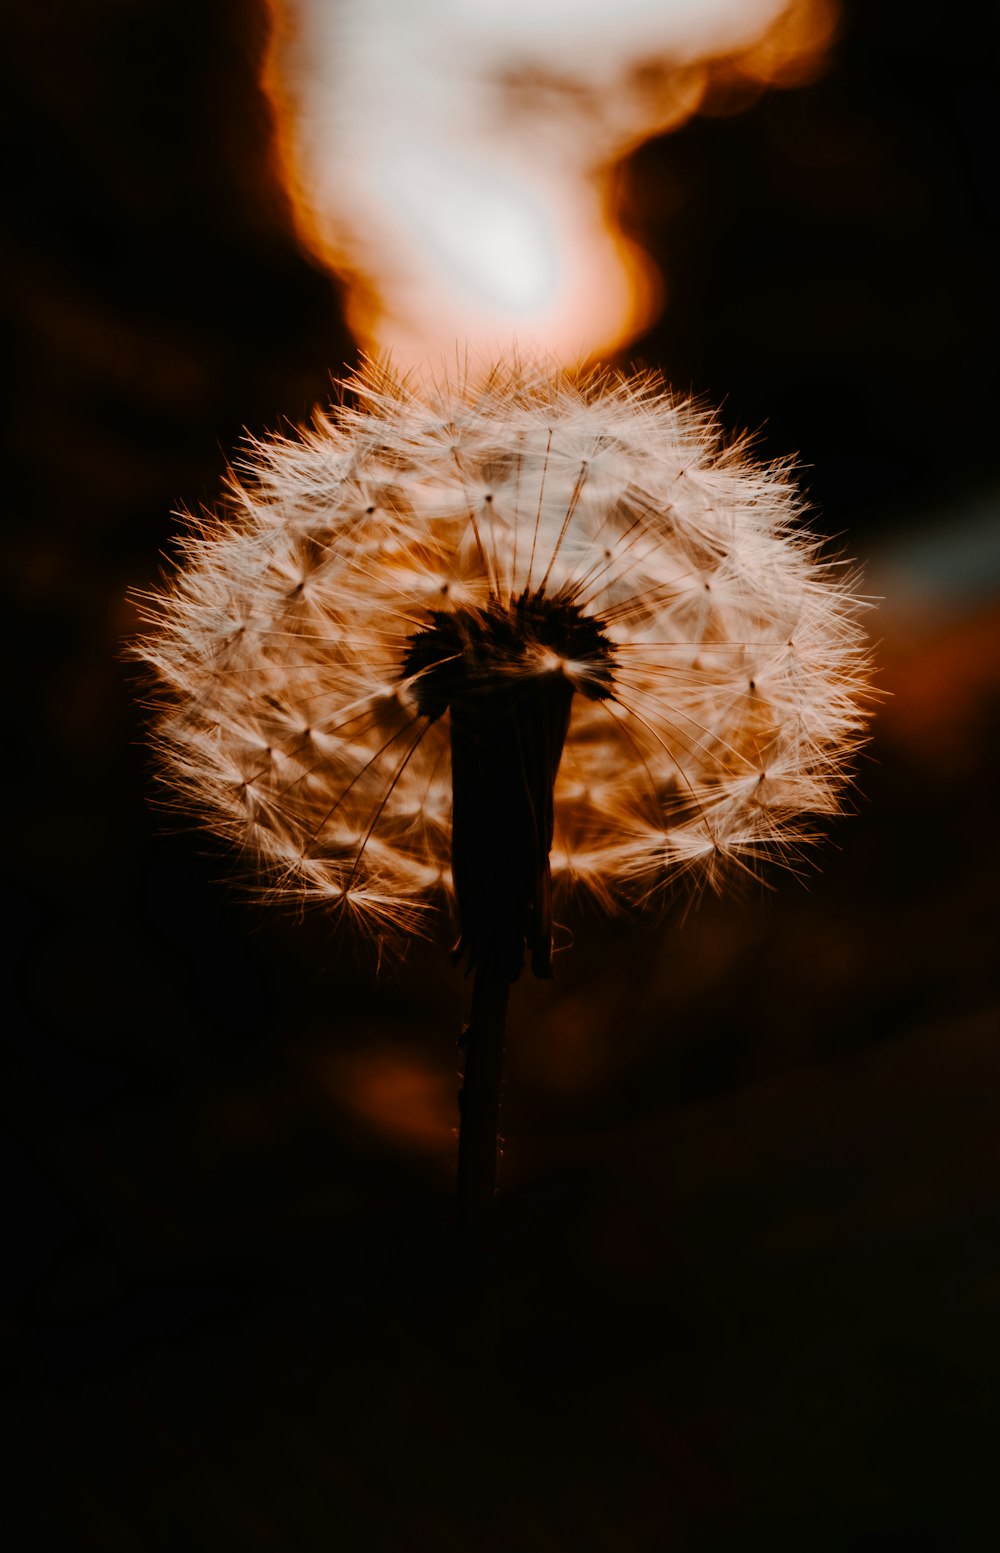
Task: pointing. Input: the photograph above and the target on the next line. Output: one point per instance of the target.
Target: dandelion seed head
(427, 550)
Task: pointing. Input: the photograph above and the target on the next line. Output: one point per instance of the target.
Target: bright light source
(480, 227)
(451, 158)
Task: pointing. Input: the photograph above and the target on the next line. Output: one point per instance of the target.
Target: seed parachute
(479, 643)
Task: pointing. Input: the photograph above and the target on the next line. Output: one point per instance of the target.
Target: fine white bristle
(740, 668)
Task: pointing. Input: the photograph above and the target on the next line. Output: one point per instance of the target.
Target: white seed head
(738, 667)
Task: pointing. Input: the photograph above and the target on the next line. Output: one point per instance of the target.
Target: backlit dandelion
(479, 645)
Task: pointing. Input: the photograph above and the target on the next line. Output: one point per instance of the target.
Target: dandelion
(484, 644)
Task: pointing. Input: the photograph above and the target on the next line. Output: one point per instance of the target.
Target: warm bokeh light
(400, 1096)
(454, 161)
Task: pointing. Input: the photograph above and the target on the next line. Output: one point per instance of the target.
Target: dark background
(747, 1281)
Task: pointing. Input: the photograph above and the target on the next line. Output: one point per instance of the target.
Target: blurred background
(747, 1281)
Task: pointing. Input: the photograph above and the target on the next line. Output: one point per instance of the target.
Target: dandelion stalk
(501, 673)
(488, 644)
(479, 1105)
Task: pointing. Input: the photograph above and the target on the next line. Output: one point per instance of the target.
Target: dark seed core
(479, 655)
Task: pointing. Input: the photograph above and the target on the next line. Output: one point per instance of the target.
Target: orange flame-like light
(454, 162)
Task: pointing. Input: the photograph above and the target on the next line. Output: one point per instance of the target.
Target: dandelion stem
(479, 1103)
(502, 674)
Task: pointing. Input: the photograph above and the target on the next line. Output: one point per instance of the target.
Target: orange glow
(940, 672)
(793, 51)
(397, 1095)
(454, 162)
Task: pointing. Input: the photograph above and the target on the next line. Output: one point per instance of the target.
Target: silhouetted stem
(502, 672)
(480, 1104)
